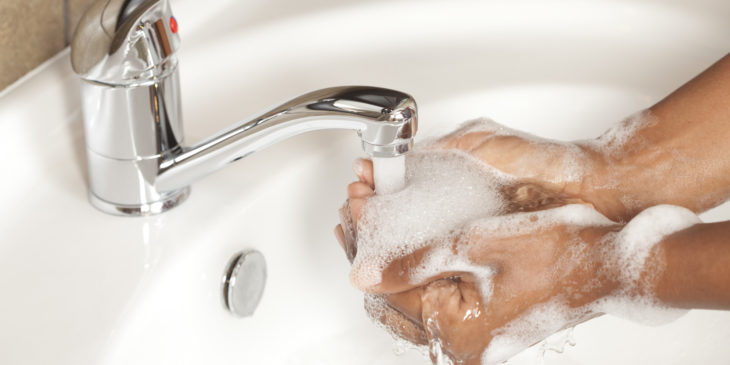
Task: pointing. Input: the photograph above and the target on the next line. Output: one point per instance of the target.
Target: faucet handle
(125, 42)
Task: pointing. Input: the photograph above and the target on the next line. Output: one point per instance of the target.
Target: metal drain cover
(243, 282)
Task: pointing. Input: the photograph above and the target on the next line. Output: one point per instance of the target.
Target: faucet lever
(125, 42)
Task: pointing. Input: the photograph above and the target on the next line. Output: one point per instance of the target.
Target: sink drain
(243, 282)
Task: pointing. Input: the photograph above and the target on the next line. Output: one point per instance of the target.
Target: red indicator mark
(173, 24)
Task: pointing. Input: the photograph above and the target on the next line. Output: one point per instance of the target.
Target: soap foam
(444, 191)
(613, 141)
(632, 247)
(538, 324)
(635, 241)
(642, 309)
(389, 174)
(614, 144)
(567, 157)
(377, 308)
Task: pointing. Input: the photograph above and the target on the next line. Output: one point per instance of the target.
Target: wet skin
(681, 157)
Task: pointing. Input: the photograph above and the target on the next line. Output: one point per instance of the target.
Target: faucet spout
(125, 53)
(386, 121)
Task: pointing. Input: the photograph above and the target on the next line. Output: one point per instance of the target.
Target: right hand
(567, 168)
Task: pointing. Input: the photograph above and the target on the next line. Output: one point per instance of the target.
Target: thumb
(469, 136)
(399, 275)
(463, 140)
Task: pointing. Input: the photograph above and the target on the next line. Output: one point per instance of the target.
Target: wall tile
(31, 31)
(76, 9)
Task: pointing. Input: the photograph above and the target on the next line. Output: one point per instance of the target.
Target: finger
(355, 207)
(349, 232)
(402, 274)
(470, 294)
(463, 141)
(527, 196)
(439, 298)
(399, 324)
(469, 133)
(364, 170)
(408, 303)
(359, 189)
(450, 313)
(340, 235)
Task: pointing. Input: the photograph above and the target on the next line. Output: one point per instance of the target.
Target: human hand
(542, 282)
(519, 196)
(621, 182)
(536, 267)
(559, 267)
(574, 169)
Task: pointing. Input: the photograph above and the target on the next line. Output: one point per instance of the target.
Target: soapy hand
(576, 169)
(508, 281)
(542, 282)
(505, 282)
(520, 196)
(505, 289)
(557, 263)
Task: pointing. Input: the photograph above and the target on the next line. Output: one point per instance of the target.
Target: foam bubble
(539, 323)
(377, 308)
(614, 140)
(568, 158)
(643, 309)
(641, 234)
(632, 246)
(524, 223)
(389, 174)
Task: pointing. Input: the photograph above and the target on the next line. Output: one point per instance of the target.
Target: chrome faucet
(125, 53)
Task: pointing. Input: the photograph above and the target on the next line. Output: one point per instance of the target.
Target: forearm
(678, 153)
(694, 267)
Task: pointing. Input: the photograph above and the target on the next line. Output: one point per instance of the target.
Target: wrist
(638, 259)
(604, 183)
(604, 275)
(695, 267)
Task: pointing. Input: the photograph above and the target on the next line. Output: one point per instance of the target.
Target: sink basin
(82, 287)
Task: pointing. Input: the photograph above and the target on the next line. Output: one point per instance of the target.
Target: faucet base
(170, 201)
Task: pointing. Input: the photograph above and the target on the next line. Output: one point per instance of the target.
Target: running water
(557, 342)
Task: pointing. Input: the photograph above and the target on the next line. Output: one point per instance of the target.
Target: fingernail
(340, 235)
(348, 231)
(357, 166)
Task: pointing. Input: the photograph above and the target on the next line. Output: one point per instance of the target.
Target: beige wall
(31, 31)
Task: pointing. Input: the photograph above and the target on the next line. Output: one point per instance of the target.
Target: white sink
(82, 287)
